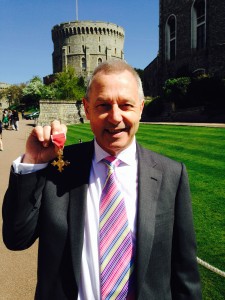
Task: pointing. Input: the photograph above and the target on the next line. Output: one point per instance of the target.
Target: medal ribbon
(59, 139)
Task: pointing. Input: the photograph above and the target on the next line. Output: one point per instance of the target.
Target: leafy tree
(14, 94)
(36, 90)
(68, 86)
(175, 91)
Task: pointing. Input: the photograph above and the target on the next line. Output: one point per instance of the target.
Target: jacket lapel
(148, 192)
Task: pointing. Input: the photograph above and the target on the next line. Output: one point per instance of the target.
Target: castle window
(84, 64)
(99, 61)
(99, 48)
(170, 38)
(198, 17)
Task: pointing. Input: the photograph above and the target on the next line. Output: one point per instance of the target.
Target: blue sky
(25, 32)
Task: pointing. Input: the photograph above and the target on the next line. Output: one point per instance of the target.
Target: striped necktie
(116, 249)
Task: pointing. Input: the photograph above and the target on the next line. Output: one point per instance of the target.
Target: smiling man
(114, 105)
(117, 222)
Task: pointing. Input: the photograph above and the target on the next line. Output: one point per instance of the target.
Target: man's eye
(126, 106)
(103, 107)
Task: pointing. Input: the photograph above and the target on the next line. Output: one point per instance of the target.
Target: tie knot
(111, 161)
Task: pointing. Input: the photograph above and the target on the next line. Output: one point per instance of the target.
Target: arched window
(99, 61)
(171, 38)
(198, 21)
(84, 63)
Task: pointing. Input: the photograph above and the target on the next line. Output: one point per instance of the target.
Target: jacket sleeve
(20, 211)
(185, 281)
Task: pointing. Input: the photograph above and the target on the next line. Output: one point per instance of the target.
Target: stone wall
(188, 59)
(68, 112)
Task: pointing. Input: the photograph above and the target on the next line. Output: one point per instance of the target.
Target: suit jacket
(50, 205)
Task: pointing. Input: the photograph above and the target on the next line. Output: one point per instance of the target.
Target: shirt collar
(128, 155)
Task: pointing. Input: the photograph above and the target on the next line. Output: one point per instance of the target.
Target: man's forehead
(113, 73)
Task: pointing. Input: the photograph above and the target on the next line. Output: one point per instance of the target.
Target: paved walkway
(18, 269)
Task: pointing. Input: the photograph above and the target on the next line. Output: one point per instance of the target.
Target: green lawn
(202, 149)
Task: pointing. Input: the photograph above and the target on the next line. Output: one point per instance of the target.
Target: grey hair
(115, 66)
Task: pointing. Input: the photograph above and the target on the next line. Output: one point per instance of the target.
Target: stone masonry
(188, 60)
(85, 44)
(67, 112)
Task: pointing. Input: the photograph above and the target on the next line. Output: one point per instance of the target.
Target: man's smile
(115, 131)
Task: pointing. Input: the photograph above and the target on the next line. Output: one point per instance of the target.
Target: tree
(68, 86)
(36, 90)
(175, 91)
(14, 94)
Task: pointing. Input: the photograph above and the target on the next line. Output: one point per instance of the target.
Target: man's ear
(142, 107)
(86, 107)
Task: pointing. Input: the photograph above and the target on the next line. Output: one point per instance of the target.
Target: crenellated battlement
(86, 27)
(85, 44)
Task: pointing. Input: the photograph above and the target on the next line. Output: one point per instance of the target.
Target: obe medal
(59, 140)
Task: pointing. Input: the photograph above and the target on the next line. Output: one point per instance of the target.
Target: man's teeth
(115, 131)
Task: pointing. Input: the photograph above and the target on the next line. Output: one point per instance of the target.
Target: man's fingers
(47, 135)
(43, 134)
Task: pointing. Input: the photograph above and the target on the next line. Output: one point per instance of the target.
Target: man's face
(114, 110)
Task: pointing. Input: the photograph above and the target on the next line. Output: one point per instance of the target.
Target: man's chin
(114, 147)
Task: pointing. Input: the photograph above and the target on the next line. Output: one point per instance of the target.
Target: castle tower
(85, 44)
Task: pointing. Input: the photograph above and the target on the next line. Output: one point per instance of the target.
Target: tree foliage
(175, 90)
(205, 90)
(68, 86)
(36, 90)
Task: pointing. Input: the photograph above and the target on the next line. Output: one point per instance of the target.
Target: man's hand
(39, 147)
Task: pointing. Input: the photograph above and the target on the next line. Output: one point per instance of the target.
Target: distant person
(117, 222)
(15, 120)
(5, 119)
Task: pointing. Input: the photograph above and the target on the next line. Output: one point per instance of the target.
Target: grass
(202, 150)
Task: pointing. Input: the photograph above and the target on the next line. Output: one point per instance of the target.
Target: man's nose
(115, 115)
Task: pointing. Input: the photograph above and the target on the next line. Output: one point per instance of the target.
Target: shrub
(175, 91)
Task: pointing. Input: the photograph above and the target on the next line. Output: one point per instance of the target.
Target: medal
(59, 140)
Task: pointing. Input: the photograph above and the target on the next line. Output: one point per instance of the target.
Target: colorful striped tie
(116, 249)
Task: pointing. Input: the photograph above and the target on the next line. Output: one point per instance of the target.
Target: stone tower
(85, 44)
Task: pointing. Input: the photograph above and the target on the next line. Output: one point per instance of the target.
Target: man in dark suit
(62, 208)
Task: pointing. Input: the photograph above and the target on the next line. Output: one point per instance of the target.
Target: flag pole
(77, 10)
